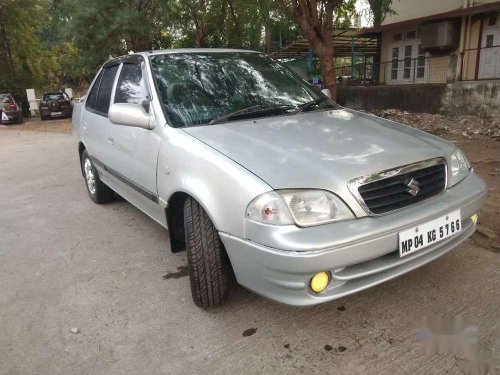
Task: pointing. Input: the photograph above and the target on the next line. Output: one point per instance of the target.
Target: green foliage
(380, 9)
(50, 44)
(230, 23)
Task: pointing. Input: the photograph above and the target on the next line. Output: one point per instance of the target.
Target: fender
(189, 166)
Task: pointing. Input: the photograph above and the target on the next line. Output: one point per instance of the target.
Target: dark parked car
(55, 104)
(11, 109)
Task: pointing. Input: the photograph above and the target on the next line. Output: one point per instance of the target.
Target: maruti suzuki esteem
(255, 172)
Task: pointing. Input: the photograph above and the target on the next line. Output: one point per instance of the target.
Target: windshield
(198, 88)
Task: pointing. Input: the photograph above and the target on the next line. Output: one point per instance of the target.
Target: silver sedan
(254, 172)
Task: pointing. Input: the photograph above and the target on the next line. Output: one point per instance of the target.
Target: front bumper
(358, 254)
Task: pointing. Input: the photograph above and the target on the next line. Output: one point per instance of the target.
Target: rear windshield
(5, 97)
(55, 96)
(196, 88)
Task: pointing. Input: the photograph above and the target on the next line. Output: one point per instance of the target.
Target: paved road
(66, 262)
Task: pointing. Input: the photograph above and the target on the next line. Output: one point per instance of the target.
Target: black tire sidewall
(209, 267)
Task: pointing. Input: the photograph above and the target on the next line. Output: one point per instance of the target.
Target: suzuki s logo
(413, 187)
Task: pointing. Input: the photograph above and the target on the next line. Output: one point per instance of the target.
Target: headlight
(459, 167)
(302, 207)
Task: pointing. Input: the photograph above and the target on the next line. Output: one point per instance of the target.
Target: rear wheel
(98, 191)
(209, 267)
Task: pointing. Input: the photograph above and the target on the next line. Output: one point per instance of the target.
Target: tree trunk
(199, 23)
(268, 39)
(7, 54)
(316, 23)
(325, 57)
(236, 24)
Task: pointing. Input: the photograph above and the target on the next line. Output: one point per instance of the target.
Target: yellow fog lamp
(474, 218)
(320, 281)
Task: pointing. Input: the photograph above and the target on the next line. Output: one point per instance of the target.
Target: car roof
(198, 50)
(119, 59)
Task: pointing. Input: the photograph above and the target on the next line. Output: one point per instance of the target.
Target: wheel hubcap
(89, 176)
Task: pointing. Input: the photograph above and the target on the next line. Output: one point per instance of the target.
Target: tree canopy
(49, 44)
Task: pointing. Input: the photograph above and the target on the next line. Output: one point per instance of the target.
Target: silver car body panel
(226, 166)
(324, 149)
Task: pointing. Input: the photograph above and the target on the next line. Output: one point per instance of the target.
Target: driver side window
(131, 87)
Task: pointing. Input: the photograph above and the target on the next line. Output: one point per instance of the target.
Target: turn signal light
(320, 281)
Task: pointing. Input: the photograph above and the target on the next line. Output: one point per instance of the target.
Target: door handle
(111, 140)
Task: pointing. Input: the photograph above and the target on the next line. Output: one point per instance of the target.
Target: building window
(489, 40)
(395, 63)
(407, 62)
(492, 21)
(398, 37)
(421, 63)
(411, 34)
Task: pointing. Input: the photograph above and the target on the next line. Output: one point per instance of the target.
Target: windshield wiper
(305, 106)
(255, 109)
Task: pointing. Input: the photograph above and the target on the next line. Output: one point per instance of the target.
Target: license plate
(56, 114)
(429, 233)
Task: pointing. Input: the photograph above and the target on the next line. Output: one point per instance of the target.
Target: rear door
(95, 127)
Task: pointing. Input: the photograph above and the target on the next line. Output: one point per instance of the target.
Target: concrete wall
(412, 98)
(481, 98)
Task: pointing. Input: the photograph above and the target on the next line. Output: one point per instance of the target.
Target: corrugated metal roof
(343, 39)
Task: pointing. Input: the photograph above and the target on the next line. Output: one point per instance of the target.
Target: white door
(407, 64)
(489, 60)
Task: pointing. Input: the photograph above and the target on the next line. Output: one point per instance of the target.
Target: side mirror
(326, 92)
(130, 115)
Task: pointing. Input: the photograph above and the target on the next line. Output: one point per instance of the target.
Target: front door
(135, 150)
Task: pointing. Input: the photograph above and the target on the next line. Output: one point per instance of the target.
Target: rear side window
(105, 88)
(91, 99)
(131, 87)
(6, 99)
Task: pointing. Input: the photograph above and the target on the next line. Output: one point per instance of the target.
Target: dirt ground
(106, 270)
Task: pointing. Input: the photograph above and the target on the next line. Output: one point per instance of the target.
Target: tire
(98, 191)
(209, 267)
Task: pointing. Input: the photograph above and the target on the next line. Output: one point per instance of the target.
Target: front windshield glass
(198, 88)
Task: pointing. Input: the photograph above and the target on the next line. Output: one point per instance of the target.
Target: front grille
(395, 192)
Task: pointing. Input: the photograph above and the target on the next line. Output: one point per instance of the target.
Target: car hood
(322, 149)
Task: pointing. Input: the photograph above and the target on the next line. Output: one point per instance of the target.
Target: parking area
(107, 270)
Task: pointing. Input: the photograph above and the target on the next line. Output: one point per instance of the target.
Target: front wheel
(209, 267)
(98, 191)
